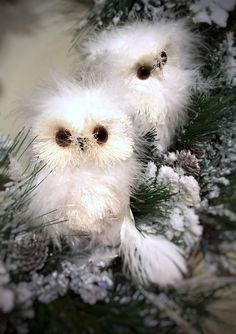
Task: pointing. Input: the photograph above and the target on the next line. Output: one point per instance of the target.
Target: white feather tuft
(148, 259)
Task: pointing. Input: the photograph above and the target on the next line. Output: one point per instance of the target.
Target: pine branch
(150, 200)
(129, 311)
(102, 16)
(209, 114)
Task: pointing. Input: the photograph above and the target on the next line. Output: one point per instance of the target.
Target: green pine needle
(209, 113)
(150, 200)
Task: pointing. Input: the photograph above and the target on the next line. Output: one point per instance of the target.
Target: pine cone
(30, 252)
(188, 162)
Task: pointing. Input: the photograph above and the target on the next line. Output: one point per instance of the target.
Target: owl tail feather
(148, 259)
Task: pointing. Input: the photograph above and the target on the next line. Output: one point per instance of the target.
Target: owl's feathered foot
(150, 260)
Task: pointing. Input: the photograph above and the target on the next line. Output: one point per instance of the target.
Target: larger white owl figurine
(156, 62)
(86, 141)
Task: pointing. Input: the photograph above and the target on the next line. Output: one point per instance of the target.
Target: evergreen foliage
(211, 135)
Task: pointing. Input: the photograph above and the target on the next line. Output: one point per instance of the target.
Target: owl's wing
(149, 259)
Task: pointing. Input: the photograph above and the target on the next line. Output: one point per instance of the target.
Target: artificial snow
(183, 221)
(6, 300)
(15, 169)
(151, 170)
(209, 11)
(4, 275)
(230, 64)
(186, 186)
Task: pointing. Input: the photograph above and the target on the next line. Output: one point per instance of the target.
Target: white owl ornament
(86, 141)
(156, 62)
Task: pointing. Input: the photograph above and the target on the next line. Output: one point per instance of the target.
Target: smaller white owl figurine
(86, 141)
(157, 64)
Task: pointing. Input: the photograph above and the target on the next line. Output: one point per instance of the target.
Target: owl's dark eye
(144, 72)
(100, 134)
(63, 137)
(163, 57)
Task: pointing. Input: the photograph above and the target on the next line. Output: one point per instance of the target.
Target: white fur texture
(161, 99)
(148, 259)
(86, 190)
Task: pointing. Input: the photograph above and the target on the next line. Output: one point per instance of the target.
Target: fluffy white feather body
(87, 182)
(155, 62)
(86, 201)
(85, 186)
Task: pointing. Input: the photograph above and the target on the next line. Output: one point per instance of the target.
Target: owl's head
(156, 60)
(76, 126)
(143, 49)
